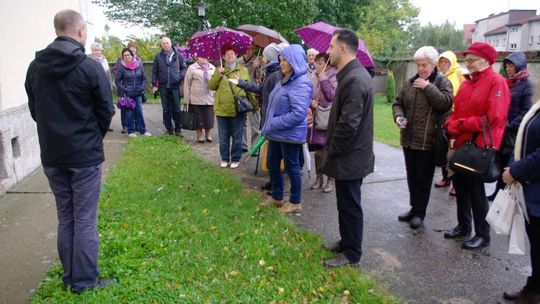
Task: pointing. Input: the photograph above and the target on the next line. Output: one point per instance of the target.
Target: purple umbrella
(318, 36)
(208, 44)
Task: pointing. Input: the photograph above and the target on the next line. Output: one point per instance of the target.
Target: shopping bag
(188, 118)
(501, 212)
(516, 244)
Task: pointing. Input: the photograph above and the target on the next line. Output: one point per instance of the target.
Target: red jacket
(484, 94)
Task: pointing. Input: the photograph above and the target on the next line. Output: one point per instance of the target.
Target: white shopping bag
(516, 245)
(501, 212)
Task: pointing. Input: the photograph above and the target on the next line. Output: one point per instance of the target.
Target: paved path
(419, 267)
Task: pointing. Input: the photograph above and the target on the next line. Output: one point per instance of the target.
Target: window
(497, 42)
(503, 44)
(531, 39)
(538, 39)
(514, 29)
(513, 46)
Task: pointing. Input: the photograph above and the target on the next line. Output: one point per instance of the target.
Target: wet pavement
(416, 266)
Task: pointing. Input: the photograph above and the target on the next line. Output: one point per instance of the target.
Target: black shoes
(340, 260)
(100, 284)
(457, 232)
(335, 247)
(477, 242)
(416, 222)
(510, 296)
(405, 217)
(523, 296)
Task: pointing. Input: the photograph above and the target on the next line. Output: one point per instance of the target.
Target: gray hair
(96, 46)
(428, 53)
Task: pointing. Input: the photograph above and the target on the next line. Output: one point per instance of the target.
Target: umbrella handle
(327, 61)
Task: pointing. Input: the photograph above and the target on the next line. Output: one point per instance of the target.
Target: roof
(499, 30)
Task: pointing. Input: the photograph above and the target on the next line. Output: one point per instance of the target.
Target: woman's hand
(420, 83)
(314, 103)
(234, 80)
(507, 177)
(221, 70)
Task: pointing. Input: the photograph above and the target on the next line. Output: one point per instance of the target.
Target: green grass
(385, 129)
(176, 229)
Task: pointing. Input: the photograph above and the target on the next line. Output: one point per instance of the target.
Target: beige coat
(196, 90)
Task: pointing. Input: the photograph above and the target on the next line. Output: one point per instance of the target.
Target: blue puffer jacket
(522, 93)
(527, 170)
(286, 116)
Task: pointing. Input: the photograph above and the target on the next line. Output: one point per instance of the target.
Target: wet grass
(176, 229)
(385, 129)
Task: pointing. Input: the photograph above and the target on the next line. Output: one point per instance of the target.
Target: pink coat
(324, 90)
(196, 90)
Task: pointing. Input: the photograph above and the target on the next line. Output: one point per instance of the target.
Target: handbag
(501, 212)
(188, 118)
(476, 161)
(322, 115)
(516, 242)
(242, 104)
(440, 145)
(126, 102)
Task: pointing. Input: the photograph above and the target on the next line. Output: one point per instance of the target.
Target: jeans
(170, 101)
(420, 169)
(77, 192)
(135, 116)
(230, 127)
(351, 217)
(290, 153)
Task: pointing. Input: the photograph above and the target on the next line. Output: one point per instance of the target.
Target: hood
(296, 57)
(454, 65)
(519, 59)
(59, 58)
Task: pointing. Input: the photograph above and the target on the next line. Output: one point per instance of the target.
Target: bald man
(70, 99)
(168, 71)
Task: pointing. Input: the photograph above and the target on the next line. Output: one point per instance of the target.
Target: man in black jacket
(349, 141)
(168, 71)
(70, 99)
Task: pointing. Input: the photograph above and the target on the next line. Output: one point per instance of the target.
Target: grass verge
(175, 229)
(385, 129)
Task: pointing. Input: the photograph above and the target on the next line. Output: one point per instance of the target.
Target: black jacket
(349, 138)
(130, 82)
(168, 74)
(69, 97)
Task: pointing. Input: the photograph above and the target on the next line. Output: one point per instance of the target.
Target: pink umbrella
(318, 36)
(208, 44)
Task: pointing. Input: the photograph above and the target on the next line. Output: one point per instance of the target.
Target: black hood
(59, 58)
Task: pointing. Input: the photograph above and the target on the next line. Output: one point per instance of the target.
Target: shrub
(390, 87)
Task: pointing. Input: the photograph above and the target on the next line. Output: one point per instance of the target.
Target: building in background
(468, 30)
(25, 27)
(512, 31)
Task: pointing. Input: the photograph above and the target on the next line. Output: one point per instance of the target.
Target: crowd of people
(320, 100)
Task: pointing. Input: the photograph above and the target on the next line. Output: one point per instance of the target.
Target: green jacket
(224, 104)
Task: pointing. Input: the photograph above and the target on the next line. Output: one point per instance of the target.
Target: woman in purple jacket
(324, 88)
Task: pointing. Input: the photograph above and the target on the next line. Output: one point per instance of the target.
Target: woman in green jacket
(230, 123)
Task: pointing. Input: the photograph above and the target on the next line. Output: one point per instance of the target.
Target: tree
(342, 13)
(146, 48)
(444, 36)
(385, 25)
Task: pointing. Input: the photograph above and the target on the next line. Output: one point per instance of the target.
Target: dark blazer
(349, 138)
(69, 96)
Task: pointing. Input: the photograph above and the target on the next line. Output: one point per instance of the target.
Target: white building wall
(487, 25)
(25, 27)
(497, 41)
(514, 39)
(534, 30)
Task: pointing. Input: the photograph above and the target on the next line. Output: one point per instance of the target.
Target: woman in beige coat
(200, 97)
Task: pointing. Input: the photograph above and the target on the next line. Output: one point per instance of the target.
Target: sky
(434, 11)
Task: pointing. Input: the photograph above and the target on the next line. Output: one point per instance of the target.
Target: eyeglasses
(471, 60)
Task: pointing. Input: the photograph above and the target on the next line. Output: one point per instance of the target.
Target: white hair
(96, 46)
(312, 51)
(428, 53)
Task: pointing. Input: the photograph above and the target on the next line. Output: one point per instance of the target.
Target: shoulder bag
(242, 104)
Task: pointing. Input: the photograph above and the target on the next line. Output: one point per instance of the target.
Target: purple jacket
(324, 92)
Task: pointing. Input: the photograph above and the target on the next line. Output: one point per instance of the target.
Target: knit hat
(226, 47)
(483, 50)
(272, 50)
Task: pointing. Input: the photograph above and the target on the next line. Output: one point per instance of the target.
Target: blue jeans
(170, 101)
(230, 127)
(77, 192)
(290, 153)
(135, 116)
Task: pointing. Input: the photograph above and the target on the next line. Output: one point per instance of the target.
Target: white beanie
(272, 51)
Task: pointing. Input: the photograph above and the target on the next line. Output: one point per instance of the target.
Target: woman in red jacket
(483, 94)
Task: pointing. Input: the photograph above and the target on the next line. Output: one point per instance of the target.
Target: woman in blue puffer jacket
(285, 126)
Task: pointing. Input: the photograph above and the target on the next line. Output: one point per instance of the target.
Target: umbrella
(262, 36)
(256, 147)
(307, 158)
(207, 44)
(318, 36)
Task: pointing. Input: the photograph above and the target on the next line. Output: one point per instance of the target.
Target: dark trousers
(170, 101)
(77, 192)
(533, 232)
(420, 169)
(290, 154)
(351, 218)
(230, 128)
(471, 195)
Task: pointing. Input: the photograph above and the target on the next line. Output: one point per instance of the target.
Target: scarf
(231, 66)
(206, 77)
(521, 75)
(132, 65)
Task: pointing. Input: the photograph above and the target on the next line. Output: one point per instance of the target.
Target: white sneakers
(224, 164)
(132, 135)
(235, 165)
(147, 133)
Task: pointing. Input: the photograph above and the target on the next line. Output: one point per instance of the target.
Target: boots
(318, 183)
(329, 185)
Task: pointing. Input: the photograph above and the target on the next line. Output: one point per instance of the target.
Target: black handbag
(188, 118)
(242, 104)
(440, 145)
(476, 161)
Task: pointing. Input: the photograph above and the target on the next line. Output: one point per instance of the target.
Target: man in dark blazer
(349, 141)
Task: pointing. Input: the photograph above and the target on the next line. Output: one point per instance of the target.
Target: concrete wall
(25, 27)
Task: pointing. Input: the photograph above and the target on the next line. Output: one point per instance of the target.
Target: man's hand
(420, 83)
(256, 63)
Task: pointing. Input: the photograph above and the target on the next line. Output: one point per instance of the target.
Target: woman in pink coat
(324, 88)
